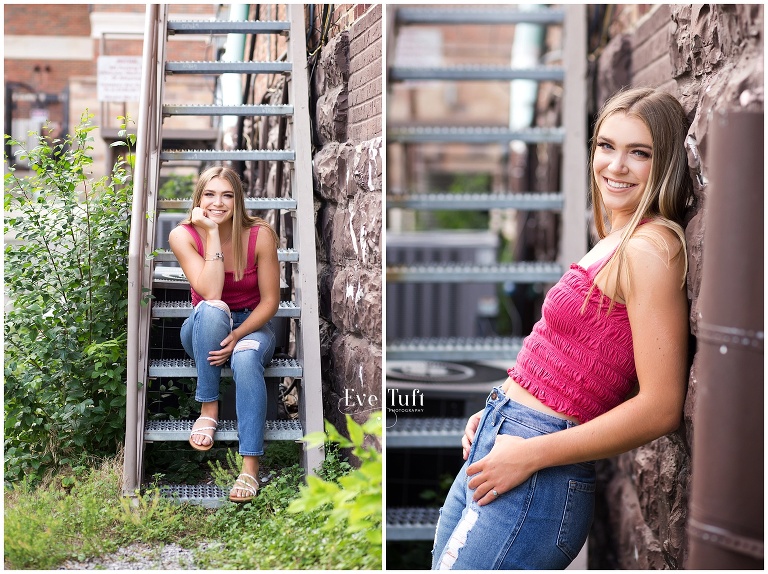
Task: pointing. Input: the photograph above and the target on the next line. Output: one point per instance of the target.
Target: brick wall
(72, 24)
(365, 77)
(710, 57)
(25, 19)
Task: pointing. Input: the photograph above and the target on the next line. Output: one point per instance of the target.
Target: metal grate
(477, 73)
(479, 201)
(522, 272)
(184, 309)
(411, 523)
(475, 135)
(417, 432)
(186, 368)
(178, 430)
(455, 348)
(209, 496)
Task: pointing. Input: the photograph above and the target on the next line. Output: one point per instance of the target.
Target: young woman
(604, 370)
(230, 260)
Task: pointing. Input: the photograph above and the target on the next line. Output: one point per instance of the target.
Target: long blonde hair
(669, 189)
(240, 218)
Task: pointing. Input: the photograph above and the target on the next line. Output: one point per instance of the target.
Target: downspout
(526, 53)
(725, 523)
(240, 130)
(231, 85)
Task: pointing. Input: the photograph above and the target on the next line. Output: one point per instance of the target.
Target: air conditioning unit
(439, 309)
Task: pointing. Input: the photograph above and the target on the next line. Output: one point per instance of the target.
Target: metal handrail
(136, 257)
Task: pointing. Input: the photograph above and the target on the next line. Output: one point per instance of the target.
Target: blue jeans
(203, 331)
(540, 524)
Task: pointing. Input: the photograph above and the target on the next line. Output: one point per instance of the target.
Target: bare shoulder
(655, 240)
(179, 237)
(265, 241)
(656, 259)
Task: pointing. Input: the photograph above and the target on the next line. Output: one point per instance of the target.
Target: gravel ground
(140, 556)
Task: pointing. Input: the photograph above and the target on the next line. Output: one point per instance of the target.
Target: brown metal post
(726, 511)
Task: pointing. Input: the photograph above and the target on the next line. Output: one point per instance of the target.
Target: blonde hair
(240, 218)
(669, 189)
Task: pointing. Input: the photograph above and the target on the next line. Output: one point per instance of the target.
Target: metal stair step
(477, 73)
(230, 110)
(206, 495)
(224, 155)
(227, 26)
(169, 430)
(222, 67)
(418, 432)
(186, 368)
(454, 348)
(183, 309)
(250, 203)
(411, 523)
(522, 272)
(284, 255)
(478, 135)
(497, 15)
(478, 201)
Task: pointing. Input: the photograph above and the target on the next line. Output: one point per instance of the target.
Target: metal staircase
(153, 359)
(421, 433)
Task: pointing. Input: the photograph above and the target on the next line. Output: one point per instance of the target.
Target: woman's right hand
(200, 219)
(469, 433)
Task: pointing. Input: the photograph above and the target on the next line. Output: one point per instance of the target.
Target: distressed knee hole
(458, 540)
(246, 345)
(218, 304)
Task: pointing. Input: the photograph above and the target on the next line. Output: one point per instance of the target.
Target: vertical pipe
(726, 510)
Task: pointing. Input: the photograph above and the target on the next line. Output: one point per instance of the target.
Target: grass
(75, 517)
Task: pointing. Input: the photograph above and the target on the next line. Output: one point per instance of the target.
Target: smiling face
(622, 164)
(218, 200)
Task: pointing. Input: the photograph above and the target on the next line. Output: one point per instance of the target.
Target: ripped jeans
(203, 331)
(541, 524)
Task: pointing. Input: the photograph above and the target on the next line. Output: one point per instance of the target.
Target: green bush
(352, 503)
(66, 277)
(292, 526)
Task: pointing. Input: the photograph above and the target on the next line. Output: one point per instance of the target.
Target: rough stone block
(334, 61)
(331, 115)
(368, 163)
(357, 368)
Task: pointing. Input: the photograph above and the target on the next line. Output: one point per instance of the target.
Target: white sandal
(201, 431)
(243, 485)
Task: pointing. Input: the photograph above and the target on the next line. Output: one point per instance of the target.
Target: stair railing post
(574, 170)
(308, 336)
(144, 142)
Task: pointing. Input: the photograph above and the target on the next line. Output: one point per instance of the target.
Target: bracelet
(216, 257)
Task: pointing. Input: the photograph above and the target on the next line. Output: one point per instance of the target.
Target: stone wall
(347, 88)
(710, 57)
(345, 107)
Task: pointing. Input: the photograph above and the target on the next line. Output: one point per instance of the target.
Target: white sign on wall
(119, 78)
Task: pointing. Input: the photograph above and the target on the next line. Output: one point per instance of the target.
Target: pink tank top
(579, 364)
(238, 295)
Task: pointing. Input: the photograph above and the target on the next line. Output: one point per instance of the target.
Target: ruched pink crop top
(579, 364)
(238, 295)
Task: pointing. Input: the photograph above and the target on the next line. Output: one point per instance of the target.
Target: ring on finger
(494, 493)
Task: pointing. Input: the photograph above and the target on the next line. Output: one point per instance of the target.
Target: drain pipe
(526, 53)
(725, 524)
(231, 85)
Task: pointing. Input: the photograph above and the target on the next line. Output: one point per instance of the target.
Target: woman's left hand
(502, 469)
(218, 358)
